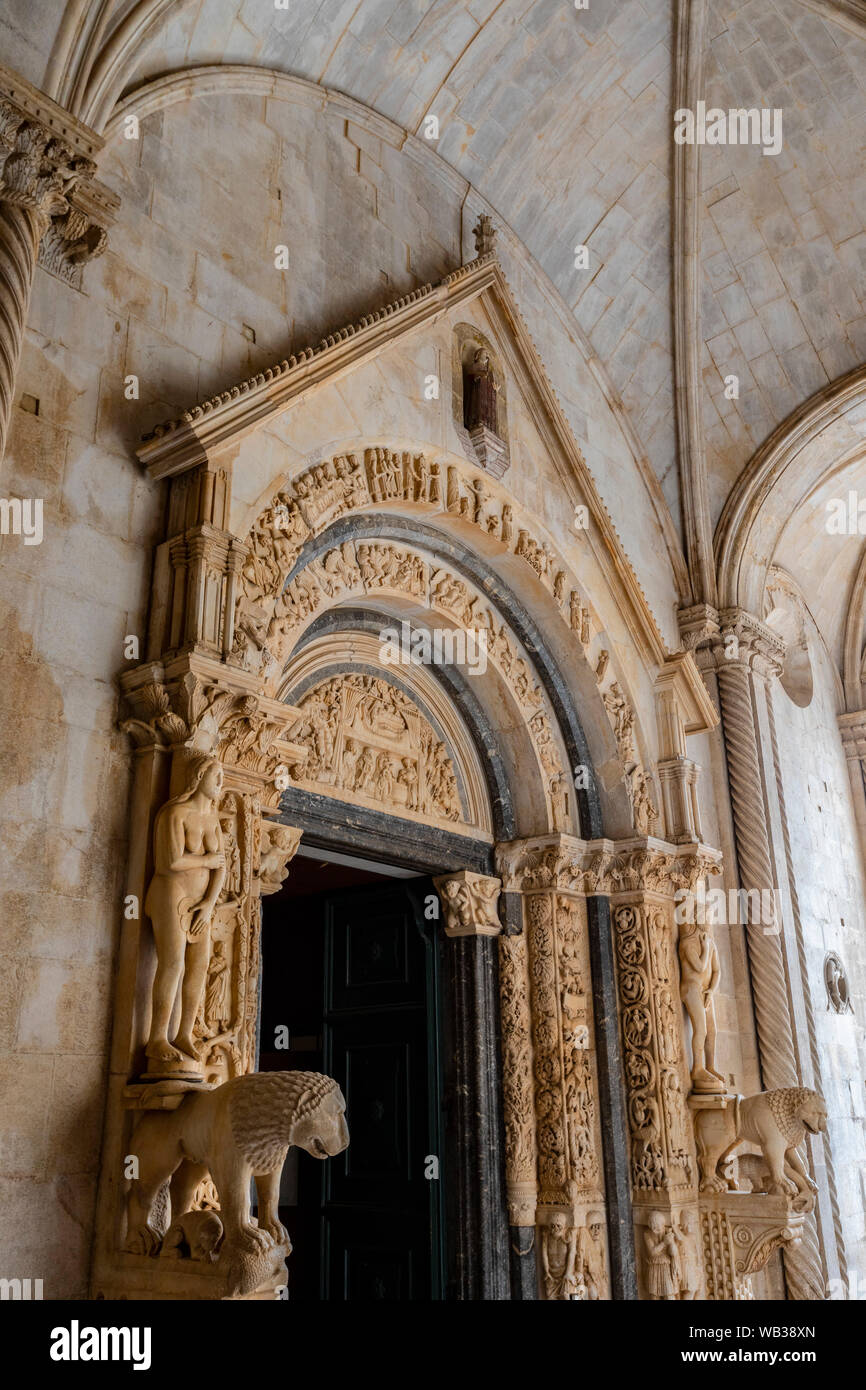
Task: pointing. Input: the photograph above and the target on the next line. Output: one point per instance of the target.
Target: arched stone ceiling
(560, 118)
(783, 238)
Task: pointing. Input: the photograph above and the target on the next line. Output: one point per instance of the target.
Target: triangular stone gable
(214, 425)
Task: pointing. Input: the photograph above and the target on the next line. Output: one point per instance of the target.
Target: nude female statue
(189, 870)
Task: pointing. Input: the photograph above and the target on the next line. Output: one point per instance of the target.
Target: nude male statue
(699, 978)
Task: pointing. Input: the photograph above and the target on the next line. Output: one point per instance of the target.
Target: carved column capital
(51, 207)
(469, 903)
(727, 638)
(612, 867)
(47, 166)
(189, 705)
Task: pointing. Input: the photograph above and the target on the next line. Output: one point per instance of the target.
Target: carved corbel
(469, 904)
(279, 846)
(739, 1233)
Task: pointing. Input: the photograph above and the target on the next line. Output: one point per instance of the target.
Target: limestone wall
(830, 885)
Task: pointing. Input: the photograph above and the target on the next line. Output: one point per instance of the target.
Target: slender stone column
(744, 654)
(478, 1223)
(47, 210)
(552, 1086)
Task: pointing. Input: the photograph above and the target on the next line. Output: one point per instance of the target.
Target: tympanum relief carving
(367, 739)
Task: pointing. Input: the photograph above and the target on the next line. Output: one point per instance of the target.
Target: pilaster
(52, 209)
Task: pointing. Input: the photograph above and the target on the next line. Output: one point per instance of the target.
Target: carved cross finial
(484, 233)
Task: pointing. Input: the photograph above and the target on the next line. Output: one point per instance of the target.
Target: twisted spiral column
(803, 1264)
(20, 233)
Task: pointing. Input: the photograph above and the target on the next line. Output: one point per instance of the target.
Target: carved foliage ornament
(45, 175)
(241, 729)
(661, 1152)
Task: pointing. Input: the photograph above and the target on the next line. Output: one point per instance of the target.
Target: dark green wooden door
(380, 1225)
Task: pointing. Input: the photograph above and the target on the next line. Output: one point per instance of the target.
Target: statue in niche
(232, 885)
(558, 1260)
(480, 393)
(190, 868)
(217, 1001)
(662, 1259)
(699, 979)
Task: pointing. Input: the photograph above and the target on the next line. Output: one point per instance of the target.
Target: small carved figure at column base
(558, 1260)
(661, 1264)
(195, 1236)
(688, 1240)
(777, 1121)
(590, 1253)
(240, 1130)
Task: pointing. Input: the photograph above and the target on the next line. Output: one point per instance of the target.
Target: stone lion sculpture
(777, 1121)
(238, 1131)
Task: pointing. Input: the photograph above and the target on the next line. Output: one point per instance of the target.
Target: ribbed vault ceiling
(562, 120)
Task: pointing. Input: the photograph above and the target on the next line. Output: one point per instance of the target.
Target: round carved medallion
(836, 980)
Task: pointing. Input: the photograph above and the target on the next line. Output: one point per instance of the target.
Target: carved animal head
(813, 1112)
(797, 1105)
(320, 1123)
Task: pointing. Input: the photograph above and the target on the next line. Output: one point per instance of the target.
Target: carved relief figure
(661, 1263)
(558, 1259)
(699, 979)
(217, 1001)
(367, 736)
(591, 1255)
(189, 872)
(690, 1255)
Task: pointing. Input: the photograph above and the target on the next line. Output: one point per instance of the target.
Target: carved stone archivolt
(346, 483)
(376, 569)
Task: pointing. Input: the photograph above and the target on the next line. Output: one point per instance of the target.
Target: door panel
(379, 1218)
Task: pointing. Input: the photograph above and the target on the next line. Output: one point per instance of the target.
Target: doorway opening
(350, 987)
